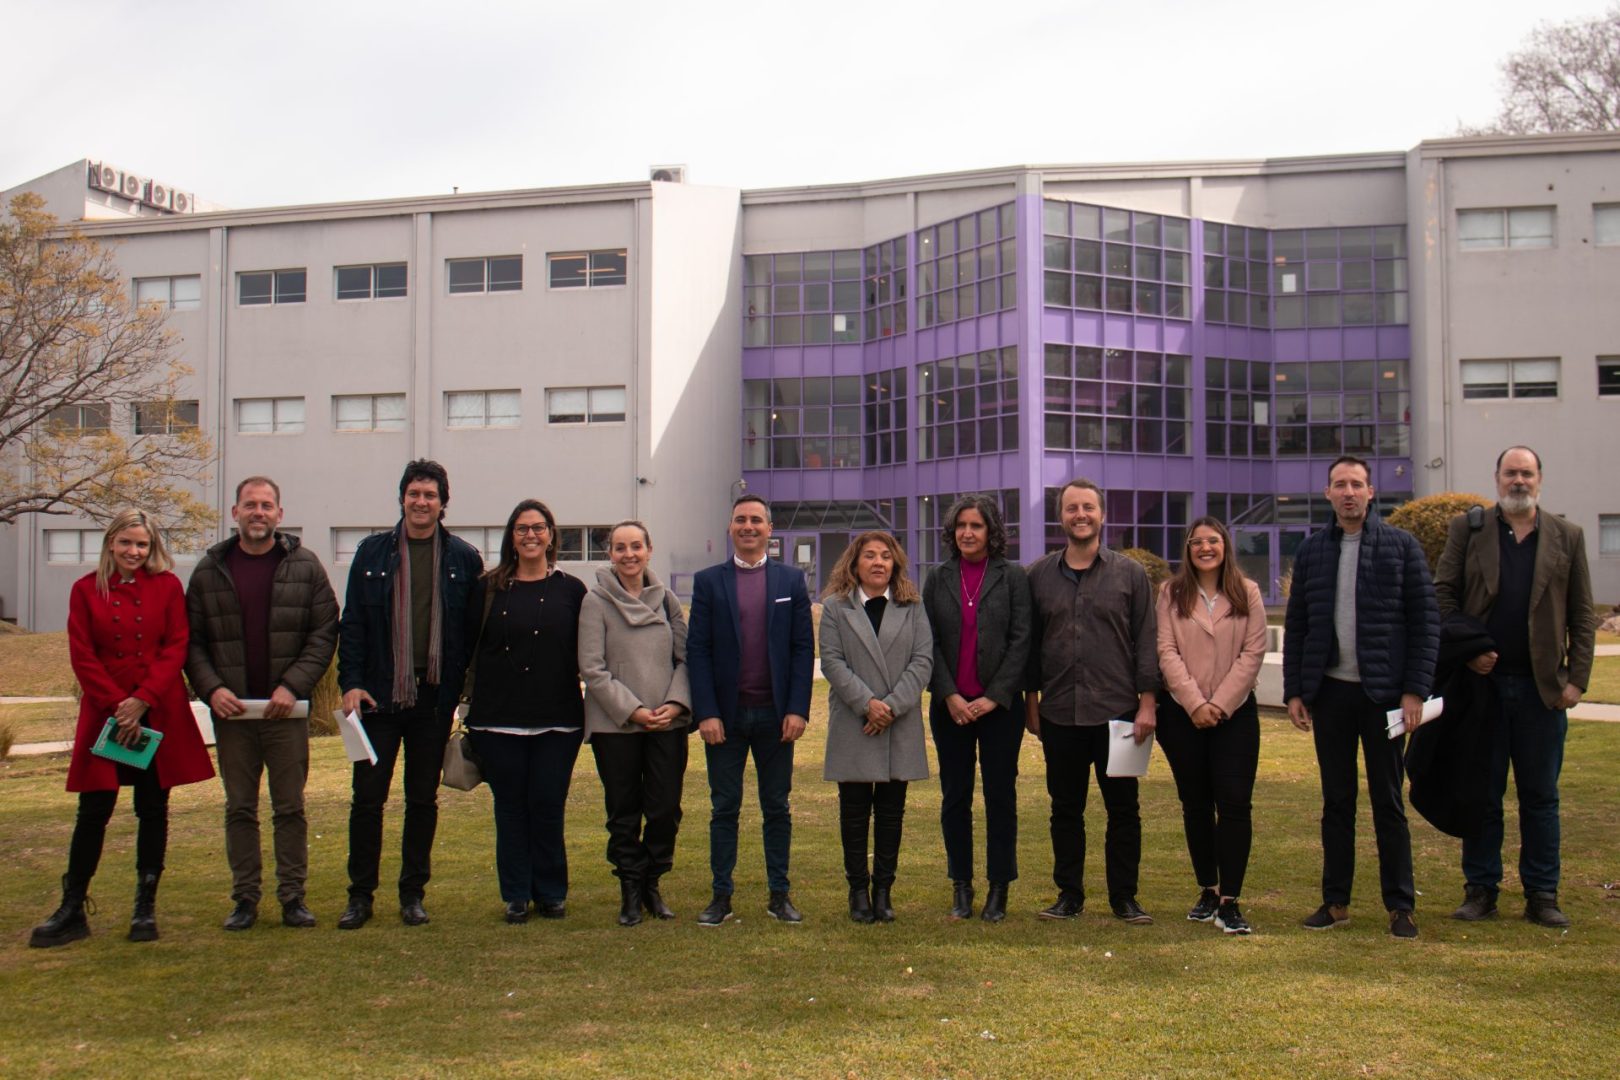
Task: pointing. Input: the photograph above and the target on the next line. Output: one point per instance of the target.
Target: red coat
(133, 642)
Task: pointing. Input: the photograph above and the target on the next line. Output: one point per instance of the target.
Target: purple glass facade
(1187, 366)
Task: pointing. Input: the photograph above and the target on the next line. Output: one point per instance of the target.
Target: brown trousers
(248, 749)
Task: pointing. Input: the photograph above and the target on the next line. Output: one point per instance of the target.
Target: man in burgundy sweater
(263, 628)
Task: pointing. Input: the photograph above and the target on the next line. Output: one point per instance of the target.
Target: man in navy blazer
(750, 655)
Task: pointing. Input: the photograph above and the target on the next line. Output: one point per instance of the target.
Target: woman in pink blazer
(1212, 639)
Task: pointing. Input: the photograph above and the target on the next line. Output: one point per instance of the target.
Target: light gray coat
(632, 653)
(893, 667)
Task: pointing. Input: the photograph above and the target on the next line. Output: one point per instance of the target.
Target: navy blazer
(714, 642)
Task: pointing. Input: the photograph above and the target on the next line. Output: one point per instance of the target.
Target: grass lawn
(1605, 680)
(923, 997)
(35, 665)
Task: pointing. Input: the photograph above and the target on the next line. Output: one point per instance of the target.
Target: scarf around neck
(404, 694)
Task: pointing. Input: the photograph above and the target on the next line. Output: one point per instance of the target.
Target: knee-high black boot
(852, 828)
(887, 818)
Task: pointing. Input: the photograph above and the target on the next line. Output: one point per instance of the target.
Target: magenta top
(967, 659)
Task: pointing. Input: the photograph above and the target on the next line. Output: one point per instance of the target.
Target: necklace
(969, 601)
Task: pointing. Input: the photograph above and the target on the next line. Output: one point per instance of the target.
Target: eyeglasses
(1212, 542)
(529, 530)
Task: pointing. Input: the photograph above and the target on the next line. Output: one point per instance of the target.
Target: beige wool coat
(632, 653)
(892, 666)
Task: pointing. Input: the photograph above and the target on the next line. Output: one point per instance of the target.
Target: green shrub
(1429, 517)
(1158, 571)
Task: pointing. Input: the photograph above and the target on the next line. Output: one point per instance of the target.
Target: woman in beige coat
(632, 657)
(876, 653)
(1212, 640)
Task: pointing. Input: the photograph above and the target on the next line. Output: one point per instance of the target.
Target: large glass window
(1518, 378)
(968, 404)
(1115, 400)
(803, 298)
(1103, 258)
(886, 428)
(967, 267)
(808, 423)
(1510, 227)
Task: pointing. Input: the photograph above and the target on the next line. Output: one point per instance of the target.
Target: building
(1197, 337)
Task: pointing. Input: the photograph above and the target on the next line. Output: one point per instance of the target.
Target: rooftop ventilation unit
(669, 174)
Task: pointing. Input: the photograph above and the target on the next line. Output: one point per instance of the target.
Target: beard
(1518, 502)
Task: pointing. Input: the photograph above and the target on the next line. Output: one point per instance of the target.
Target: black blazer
(1005, 626)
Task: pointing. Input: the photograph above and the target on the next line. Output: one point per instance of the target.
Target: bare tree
(1566, 78)
(90, 420)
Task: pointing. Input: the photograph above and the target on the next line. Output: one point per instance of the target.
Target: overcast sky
(294, 102)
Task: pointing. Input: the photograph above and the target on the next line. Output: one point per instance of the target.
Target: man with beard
(1362, 636)
(1525, 576)
(264, 624)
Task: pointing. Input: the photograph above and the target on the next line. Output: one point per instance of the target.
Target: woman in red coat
(127, 636)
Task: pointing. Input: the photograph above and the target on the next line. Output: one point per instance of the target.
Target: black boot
(860, 903)
(995, 902)
(143, 922)
(853, 819)
(961, 899)
(653, 900)
(882, 909)
(887, 819)
(67, 923)
(629, 901)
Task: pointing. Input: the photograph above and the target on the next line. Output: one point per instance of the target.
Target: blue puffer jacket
(1397, 619)
(365, 652)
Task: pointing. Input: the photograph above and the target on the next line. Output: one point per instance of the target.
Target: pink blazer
(1212, 659)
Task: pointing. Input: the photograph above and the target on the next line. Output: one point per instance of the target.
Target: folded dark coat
(1449, 758)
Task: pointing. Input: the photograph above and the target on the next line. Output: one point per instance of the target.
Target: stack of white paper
(356, 743)
(1397, 719)
(1125, 757)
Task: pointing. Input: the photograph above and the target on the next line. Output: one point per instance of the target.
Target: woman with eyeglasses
(526, 716)
(632, 655)
(1212, 640)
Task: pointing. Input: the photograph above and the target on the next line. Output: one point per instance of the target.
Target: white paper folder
(356, 743)
(254, 709)
(1397, 720)
(1125, 757)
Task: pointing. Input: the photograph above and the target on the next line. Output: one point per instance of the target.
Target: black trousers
(883, 808)
(642, 774)
(1214, 770)
(422, 734)
(96, 810)
(992, 743)
(1342, 716)
(1072, 752)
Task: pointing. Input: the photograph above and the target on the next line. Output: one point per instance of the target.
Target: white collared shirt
(763, 559)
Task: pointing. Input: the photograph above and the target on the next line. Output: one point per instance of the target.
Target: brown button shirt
(1095, 644)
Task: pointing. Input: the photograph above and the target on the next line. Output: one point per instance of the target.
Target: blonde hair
(157, 556)
(843, 581)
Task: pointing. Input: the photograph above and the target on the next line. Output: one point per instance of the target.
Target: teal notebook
(139, 755)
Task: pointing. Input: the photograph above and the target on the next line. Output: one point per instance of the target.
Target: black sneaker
(718, 911)
(1230, 920)
(1204, 910)
(782, 910)
(1130, 911)
(1402, 925)
(1327, 917)
(1067, 907)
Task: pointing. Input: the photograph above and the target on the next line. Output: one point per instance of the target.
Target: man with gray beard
(1525, 576)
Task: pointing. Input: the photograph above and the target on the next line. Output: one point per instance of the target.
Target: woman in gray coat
(876, 653)
(632, 657)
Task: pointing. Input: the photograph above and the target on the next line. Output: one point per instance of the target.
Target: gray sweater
(632, 653)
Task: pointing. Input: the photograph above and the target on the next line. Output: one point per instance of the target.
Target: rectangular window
(270, 416)
(1495, 379)
(384, 281)
(498, 273)
(486, 538)
(271, 287)
(64, 546)
(1606, 224)
(346, 540)
(585, 405)
(164, 417)
(582, 543)
(1608, 534)
(80, 419)
(369, 412)
(587, 269)
(1519, 227)
(1608, 368)
(482, 408)
(174, 293)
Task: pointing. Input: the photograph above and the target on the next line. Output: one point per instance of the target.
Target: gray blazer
(632, 652)
(893, 667)
(1006, 622)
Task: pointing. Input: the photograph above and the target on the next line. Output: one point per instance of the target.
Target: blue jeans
(759, 730)
(1531, 736)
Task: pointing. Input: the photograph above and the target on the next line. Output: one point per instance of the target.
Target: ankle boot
(143, 921)
(653, 900)
(67, 923)
(995, 902)
(882, 909)
(629, 901)
(860, 903)
(961, 899)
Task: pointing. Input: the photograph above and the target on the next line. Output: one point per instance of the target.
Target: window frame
(373, 288)
(89, 546)
(452, 395)
(277, 278)
(1511, 386)
(591, 416)
(620, 278)
(1504, 239)
(168, 303)
(487, 282)
(277, 425)
(372, 400)
(172, 426)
